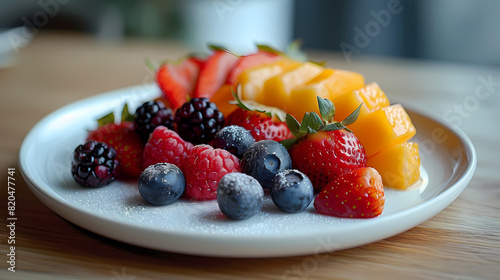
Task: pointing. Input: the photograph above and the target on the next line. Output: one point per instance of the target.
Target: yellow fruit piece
(384, 128)
(398, 165)
(252, 79)
(276, 92)
(371, 96)
(328, 84)
(222, 97)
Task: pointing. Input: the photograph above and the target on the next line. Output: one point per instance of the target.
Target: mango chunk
(277, 89)
(252, 79)
(384, 128)
(330, 83)
(371, 96)
(398, 165)
(222, 98)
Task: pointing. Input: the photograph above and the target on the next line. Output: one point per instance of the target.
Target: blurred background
(465, 31)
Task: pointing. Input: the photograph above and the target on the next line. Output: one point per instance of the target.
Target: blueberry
(239, 196)
(292, 191)
(264, 159)
(161, 183)
(234, 139)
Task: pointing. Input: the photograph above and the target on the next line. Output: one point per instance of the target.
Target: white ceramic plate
(117, 211)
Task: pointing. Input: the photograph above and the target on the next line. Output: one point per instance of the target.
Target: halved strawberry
(248, 61)
(177, 81)
(356, 194)
(214, 73)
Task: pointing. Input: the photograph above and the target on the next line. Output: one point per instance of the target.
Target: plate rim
(451, 193)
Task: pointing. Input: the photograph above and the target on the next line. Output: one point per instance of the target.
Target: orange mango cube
(371, 96)
(384, 128)
(252, 79)
(276, 92)
(328, 84)
(398, 165)
(222, 97)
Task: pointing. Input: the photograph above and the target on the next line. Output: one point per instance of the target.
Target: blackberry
(94, 164)
(198, 120)
(150, 115)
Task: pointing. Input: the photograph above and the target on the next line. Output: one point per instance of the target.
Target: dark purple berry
(94, 164)
(264, 159)
(161, 183)
(150, 115)
(198, 120)
(291, 191)
(234, 139)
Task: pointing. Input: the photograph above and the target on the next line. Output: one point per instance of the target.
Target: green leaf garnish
(288, 143)
(293, 125)
(126, 115)
(352, 117)
(107, 119)
(311, 123)
(269, 49)
(326, 109)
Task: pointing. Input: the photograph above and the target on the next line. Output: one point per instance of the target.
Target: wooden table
(462, 242)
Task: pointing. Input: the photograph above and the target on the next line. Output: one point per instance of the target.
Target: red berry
(214, 73)
(177, 81)
(128, 145)
(325, 155)
(261, 126)
(165, 145)
(204, 168)
(356, 194)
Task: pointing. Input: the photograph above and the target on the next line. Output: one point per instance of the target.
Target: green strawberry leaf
(319, 63)
(295, 51)
(326, 109)
(126, 115)
(311, 123)
(333, 126)
(293, 125)
(107, 119)
(288, 143)
(149, 64)
(269, 49)
(352, 117)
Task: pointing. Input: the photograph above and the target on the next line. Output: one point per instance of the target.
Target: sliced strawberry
(260, 125)
(356, 194)
(214, 73)
(248, 61)
(177, 81)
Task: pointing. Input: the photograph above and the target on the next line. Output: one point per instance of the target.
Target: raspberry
(166, 145)
(150, 115)
(94, 164)
(198, 120)
(204, 168)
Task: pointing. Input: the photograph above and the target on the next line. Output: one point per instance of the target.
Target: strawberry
(251, 60)
(263, 122)
(324, 149)
(204, 168)
(128, 145)
(177, 80)
(214, 72)
(355, 194)
(165, 145)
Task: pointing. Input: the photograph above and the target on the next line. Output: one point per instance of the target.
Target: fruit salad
(235, 128)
